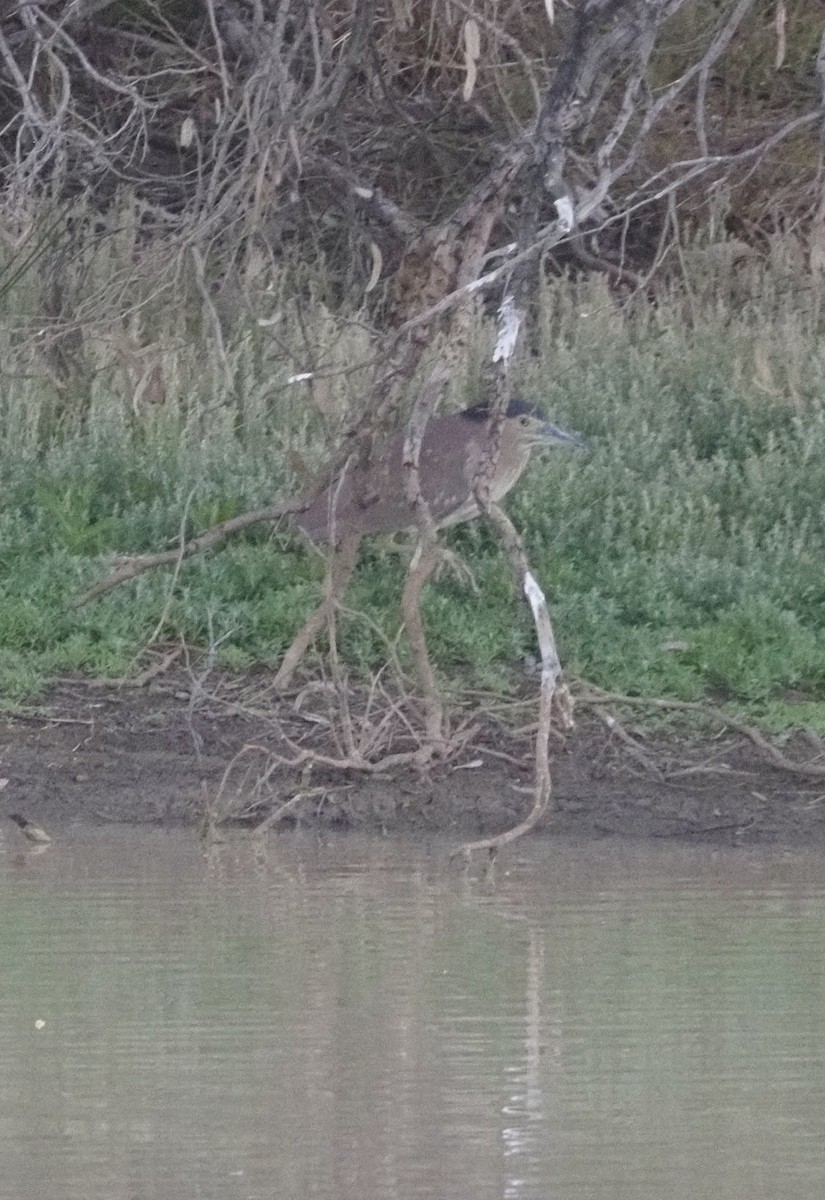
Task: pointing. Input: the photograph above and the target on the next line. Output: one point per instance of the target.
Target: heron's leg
(341, 564)
(424, 562)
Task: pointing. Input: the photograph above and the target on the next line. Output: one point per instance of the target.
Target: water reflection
(356, 1019)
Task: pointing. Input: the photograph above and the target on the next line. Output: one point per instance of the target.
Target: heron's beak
(564, 437)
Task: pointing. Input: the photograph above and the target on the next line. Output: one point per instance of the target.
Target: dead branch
(128, 566)
(422, 566)
(604, 35)
(810, 770)
(632, 746)
(265, 120)
(554, 697)
(341, 564)
(245, 118)
(425, 558)
(301, 757)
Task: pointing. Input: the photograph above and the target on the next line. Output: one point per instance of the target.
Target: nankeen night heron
(453, 452)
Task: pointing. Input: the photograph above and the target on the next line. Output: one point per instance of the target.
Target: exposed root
(769, 752)
(554, 697)
(340, 567)
(160, 663)
(631, 745)
(382, 730)
(424, 563)
(156, 669)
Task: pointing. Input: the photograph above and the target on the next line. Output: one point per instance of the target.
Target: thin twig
(811, 770)
(129, 566)
(634, 749)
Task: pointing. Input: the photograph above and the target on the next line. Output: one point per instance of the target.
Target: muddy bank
(104, 754)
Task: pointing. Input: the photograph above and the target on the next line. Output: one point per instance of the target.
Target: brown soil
(106, 754)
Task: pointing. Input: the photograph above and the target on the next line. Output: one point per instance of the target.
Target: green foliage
(682, 553)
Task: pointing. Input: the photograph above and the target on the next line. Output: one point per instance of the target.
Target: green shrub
(682, 554)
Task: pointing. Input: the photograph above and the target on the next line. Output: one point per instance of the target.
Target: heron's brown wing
(377, 504)
(352, 504)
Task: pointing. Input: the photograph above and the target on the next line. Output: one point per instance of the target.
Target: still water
(355, 1019)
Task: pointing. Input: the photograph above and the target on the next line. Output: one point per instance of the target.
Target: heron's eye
(524, 419)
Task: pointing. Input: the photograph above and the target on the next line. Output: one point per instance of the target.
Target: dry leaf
(377, 264)
(509, 323)
(472, 38)
(469, 79)
(566, 212)
(551, 15)
(780, 21)
(472, 49)
(187, 133)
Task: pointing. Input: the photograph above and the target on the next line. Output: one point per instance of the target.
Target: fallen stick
(128, 566)
(775, 756)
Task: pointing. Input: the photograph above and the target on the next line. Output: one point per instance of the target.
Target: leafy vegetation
(683, 553)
